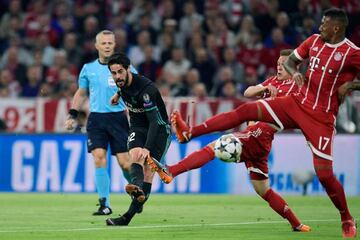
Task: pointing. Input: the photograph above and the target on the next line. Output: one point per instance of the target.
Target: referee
(106, 125)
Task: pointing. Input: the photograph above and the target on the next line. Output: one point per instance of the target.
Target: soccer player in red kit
(256, 145)
(334, 64)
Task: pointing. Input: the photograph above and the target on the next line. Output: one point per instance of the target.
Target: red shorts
(256, 140)
(317, 126)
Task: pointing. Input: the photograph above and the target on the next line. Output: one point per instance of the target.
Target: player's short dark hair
(337, 14)
(286, 52)
(119, 58)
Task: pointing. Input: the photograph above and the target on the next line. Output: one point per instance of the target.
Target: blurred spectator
(275, 44)
(224, 37)
(190, 18)
(303, 10)
(144, 7)
(4, 92)
(46, 90)
(307, 29)
(178, 65)
(136, 52)
(13, 27)
(166, 10)
(12, 21)
(170, 28)
(192, 77)
(149, 67)
(38, 56)
(229, 90)
(36, 10)
(121, 41)
(199, 91)
(206, 66)
(224, 75)
(60, 62)
(265, 13)
(44, 27)
(61, 20)
(12, 63)
(48, 52)
(213, 49)
(236, 67)
(167, 44)
(32, 85)
(234, 10)
(9, 86)
(283, 22)
(196, 42)
(90, 29)
(145, 25)
(117, 22)
(246, 28)
(72, 49)
(23, 55)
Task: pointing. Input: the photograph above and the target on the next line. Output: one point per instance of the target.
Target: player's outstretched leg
(182, 130)
(163, 172)
(335, 191)
(251, 111)
(103, 209)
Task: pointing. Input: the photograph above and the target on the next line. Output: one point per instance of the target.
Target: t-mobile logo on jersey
(314, 63)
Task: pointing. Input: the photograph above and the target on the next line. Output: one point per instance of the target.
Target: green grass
(67, 216)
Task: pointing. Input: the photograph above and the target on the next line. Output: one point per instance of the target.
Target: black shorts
(108, 128)
(138, 135)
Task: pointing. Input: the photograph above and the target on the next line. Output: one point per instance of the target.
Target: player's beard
(122, 82)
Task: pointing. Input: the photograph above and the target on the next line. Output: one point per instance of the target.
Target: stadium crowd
(190, 48)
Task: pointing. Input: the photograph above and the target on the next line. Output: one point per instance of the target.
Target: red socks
(279, 205)
(334, 189)
(194, 160)
(228, 120)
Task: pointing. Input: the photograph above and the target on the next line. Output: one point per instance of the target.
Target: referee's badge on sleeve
(111, 82)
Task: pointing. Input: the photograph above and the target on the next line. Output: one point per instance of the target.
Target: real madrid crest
(146, 98)
(338, 56)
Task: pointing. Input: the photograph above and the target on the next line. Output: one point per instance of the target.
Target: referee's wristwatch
(73, 113)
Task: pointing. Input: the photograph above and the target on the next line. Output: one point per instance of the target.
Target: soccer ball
(228, 148)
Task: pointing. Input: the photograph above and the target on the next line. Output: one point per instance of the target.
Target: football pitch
(68, 216)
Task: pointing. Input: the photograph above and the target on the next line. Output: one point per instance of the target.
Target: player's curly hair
(119, 58)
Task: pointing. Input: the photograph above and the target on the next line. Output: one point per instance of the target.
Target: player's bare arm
(290, 66)
(259, 90)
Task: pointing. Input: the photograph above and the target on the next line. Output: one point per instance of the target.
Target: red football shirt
(330, 66)
(284, 87)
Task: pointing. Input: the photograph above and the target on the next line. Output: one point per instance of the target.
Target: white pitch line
(157, 226)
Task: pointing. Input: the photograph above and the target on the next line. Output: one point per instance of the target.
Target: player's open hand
(69, 124)
(115, 99)
(299, 79)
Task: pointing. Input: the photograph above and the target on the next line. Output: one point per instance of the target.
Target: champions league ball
(228, 148)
